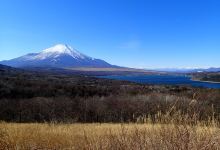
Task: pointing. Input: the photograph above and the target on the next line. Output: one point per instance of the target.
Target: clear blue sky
(133, 33)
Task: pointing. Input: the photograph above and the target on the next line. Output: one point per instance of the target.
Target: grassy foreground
(108, 136)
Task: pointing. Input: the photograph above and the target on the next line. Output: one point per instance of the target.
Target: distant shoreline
(205, 81)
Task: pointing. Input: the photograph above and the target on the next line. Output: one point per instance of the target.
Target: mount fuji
(58, 56)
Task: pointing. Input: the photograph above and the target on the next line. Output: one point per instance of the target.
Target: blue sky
(132, 33)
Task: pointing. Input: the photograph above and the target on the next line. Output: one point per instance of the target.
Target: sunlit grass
(108, 136)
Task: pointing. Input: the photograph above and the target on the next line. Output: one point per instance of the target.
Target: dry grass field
(108, 136)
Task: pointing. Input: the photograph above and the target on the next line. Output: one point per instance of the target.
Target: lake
(164, 80)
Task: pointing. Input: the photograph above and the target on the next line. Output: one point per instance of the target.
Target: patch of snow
(57, 51)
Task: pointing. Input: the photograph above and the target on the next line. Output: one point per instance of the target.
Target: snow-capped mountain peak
(60, 55)
(59, 50)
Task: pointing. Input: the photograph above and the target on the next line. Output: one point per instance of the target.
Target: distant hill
(207, 76)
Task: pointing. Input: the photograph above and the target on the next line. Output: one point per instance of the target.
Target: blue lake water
(164, 80)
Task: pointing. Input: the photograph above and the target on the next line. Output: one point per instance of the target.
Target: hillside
(52, 110)
(39, 97)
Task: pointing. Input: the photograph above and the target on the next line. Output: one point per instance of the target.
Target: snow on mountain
(57, 56)
(55, 52)
(60, 49)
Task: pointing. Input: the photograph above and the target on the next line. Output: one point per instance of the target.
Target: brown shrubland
(163, 131)
(108, 136)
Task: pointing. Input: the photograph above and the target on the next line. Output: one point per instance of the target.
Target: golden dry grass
(108, 136)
